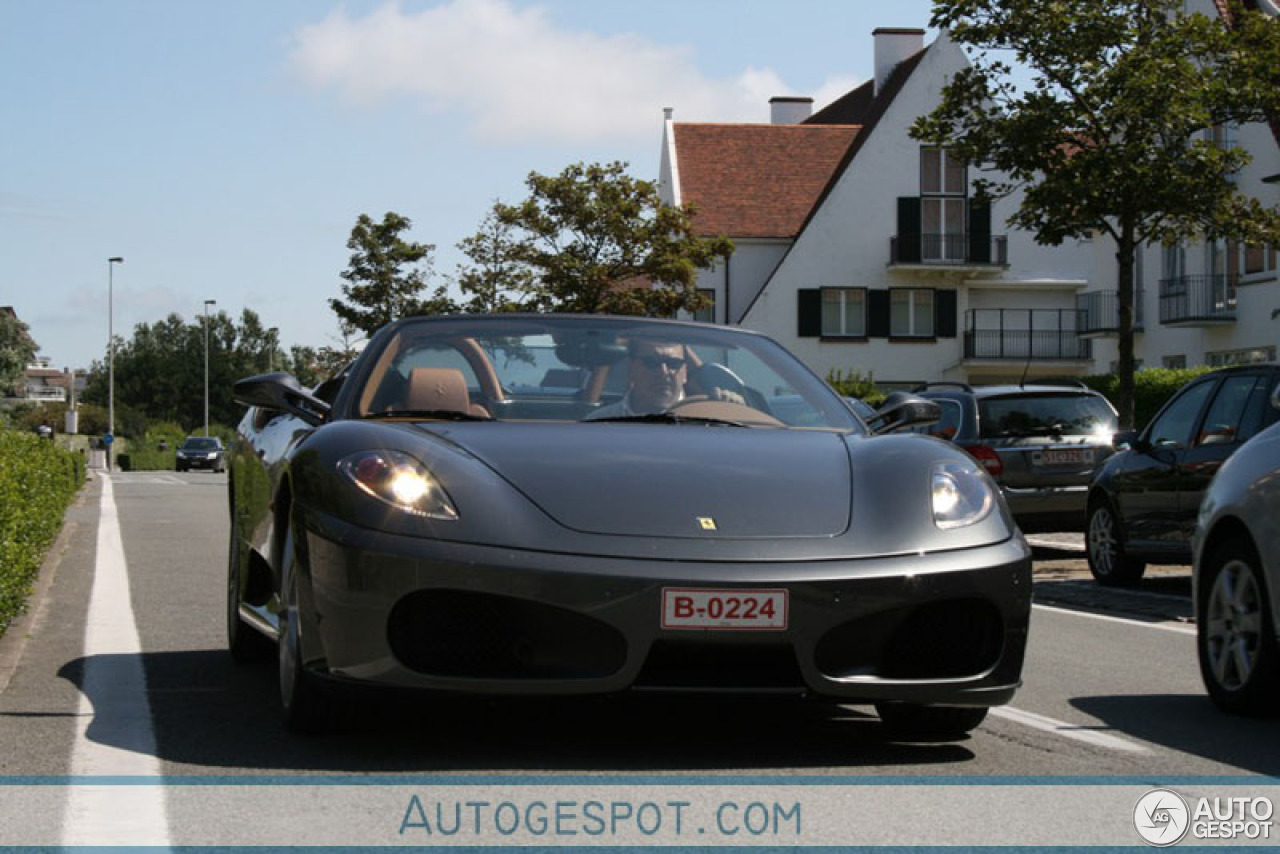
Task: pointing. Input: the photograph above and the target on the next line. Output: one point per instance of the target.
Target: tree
(159, 373)
(1114, 134)
(385, 275)
(17, 350)
(591, 239)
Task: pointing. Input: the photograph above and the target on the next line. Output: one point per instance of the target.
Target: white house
(861, 249)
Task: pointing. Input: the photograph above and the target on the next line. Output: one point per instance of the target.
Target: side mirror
(283, 393)
(1125, 439)
(1275, 396)
(901, 410)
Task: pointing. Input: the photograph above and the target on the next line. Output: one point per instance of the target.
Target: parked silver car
(1236, 579)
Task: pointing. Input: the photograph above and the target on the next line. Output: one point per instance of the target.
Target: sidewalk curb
(14, 641)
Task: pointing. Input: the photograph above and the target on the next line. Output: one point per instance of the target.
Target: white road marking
(1168, 627)
(114, 736)
(1076, 732)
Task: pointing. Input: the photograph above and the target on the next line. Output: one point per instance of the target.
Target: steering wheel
(713, 376)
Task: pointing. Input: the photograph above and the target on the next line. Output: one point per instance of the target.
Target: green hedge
(37, 482)
(1151, 388)
(147, 460)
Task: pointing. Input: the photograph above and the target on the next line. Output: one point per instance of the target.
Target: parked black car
(1041, 443)
(201, 452)
(1143, 504)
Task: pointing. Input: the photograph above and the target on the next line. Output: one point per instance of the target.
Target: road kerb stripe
(114, 733)
(1066, 730)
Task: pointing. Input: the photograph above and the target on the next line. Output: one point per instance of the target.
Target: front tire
(245, 644)
(302, 698)
(1235, 632)
(1110, 566)
(913, 721)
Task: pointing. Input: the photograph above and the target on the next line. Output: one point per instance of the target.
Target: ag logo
(1161, 817)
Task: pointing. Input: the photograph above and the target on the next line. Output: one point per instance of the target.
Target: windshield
(584, 368)
(1046, 415)
(201, 445)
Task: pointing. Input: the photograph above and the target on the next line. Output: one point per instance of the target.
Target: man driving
(655, 382)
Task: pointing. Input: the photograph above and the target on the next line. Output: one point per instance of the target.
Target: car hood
(671, 480)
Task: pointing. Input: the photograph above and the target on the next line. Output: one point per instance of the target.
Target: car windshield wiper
(438, 414)
(668, 418)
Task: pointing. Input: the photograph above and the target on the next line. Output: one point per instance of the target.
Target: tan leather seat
(440, 388)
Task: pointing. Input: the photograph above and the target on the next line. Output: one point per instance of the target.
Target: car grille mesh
(461, 633)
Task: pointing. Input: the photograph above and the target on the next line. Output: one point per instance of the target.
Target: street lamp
(207, 303)
(274, 332)
(111, 356)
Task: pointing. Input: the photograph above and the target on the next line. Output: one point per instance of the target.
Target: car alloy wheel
(245, 644)
(1107, 560)
(1235, 641)
(305, 707)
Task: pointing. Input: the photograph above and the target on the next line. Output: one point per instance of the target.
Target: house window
(943, 183)
(706, 314)
(1257, 259)
(911, 313)
(844, 312)
(1174, 362)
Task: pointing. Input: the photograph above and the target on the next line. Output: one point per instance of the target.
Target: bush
(37, 482)
(1152, 387)
(147, 459)
(854, 384)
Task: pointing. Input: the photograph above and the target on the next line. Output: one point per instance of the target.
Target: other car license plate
(703, 608)
(1066, 457)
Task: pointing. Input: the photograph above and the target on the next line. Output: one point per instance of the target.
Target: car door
(1145, 489)
(1234, 416)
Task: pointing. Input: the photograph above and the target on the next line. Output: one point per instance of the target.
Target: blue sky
(225, 149)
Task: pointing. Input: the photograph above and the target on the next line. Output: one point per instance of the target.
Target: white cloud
(514, 76)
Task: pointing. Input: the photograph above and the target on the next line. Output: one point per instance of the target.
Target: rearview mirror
(901, 409)
(281, 392)
(1125, 439)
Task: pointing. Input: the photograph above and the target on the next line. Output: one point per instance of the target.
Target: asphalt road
(1111, 688)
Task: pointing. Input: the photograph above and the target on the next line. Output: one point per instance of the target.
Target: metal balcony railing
(944, 249)
(1024, 335)
(1198, 299)
(1099, 311)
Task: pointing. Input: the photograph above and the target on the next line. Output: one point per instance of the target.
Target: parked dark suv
(201, 452)
(1144, 501)
(1041, 442)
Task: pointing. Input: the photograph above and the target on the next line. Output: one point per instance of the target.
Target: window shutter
(809, 312)
(979, 232)
(878, 314)
(908, 230)
(945, 312)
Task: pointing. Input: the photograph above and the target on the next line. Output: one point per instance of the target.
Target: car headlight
(398, 479)
(961, 494)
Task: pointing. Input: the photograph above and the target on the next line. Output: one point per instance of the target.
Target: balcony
(1099, 312)
(1198, 300)
(948, 252)
(1024, 335)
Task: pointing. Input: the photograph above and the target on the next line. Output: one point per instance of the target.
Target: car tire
(914, 721)
(1235, 634)
(1110, 566)
(303, 701)
(245, 644)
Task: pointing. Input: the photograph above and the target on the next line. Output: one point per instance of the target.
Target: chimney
(789, 111)
(892, 46)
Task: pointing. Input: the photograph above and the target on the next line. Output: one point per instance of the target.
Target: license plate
(1066, 457)
(702, 608)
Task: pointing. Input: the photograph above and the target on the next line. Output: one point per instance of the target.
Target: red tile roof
(757, 180)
